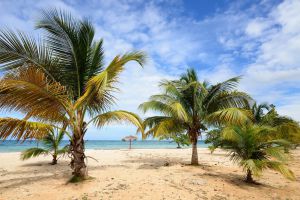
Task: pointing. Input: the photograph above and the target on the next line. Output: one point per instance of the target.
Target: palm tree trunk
(194, 141)
(178, 145)
(249, 178)
(54, 160)
(78, 157)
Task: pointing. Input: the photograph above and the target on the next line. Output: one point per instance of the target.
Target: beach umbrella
(129, 138)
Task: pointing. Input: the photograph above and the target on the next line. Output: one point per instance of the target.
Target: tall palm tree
(60, 80)
(253, 148)
(190, 106)
(51, 146)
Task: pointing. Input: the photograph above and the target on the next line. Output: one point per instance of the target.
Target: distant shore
(141, 174)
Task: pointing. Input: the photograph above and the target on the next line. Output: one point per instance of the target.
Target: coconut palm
(60, 80)
(51, 146)
(189, 106)
(252, 147)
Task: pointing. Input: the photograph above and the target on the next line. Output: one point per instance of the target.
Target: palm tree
(180, 139)
(286, 128)
(51, 146)
(252, 147)
(189, 106)
(60, 80)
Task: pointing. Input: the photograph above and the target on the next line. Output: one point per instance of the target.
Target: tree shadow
(234, 179)
(34, 172)
(103, 167)
(155, 162)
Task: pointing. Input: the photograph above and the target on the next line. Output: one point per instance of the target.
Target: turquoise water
(13, 146)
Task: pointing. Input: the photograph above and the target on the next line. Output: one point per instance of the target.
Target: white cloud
(261, 42)
(278, 58)
(292, 109)
(256, 27)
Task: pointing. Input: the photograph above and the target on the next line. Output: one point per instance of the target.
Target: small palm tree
(190, 106)
(51, 146)
(180, 139)
(286, 128)
(253, 148)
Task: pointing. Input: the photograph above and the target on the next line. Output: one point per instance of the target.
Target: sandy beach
(141, 174)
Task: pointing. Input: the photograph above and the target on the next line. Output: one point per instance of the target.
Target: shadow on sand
(35, 172)
(155, 162)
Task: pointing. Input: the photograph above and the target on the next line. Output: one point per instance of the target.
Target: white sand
(141, 174)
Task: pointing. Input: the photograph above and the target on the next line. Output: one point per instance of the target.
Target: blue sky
(259, 40)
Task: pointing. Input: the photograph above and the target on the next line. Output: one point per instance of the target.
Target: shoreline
(1, 152)
(12, 146)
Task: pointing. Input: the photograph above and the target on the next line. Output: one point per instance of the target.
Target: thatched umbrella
(129, 138)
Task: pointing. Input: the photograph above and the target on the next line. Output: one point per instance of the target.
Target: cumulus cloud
(263, 47)
(276, 66)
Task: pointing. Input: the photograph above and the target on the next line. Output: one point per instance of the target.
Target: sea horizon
(18, 146)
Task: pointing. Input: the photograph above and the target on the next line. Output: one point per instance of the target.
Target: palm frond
(226, 86)
(29, 91)
(98, 92)
(229, 116)
(18, 49)
(71, 40)
(97, 59)
(117, 116)
(63, 150)
(281, 168)
(226, 99)
(22, 129)
(33, 152)
(49, 141)
(165, 126)
(277, 153)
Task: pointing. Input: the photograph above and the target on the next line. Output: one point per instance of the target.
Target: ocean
(14, 146)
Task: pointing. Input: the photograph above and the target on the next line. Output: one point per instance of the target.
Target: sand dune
(141, 174)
